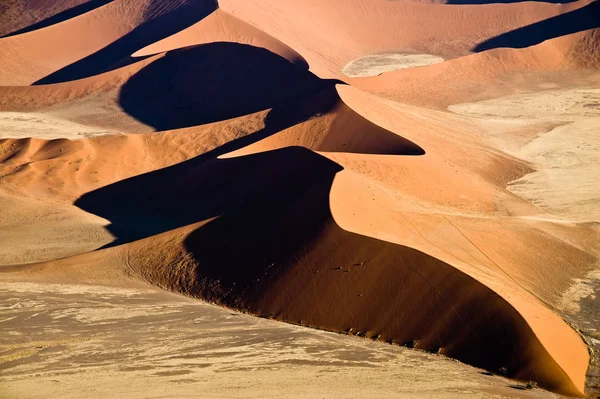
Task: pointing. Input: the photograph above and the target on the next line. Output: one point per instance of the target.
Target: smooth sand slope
(207, 151)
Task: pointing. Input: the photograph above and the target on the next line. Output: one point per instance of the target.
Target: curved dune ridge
(218, 151)
(18, 16)
(221, 26)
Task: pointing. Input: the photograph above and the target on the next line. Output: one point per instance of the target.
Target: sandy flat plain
(66, 339)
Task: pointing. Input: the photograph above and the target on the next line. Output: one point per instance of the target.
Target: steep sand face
(262, 186)
(321, 266)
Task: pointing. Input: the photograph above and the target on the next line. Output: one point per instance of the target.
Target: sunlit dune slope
(493, 73)
(329, 34)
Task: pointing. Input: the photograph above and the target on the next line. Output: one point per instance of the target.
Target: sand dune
(17, 16)
(98, 40)
(217, 150)
(331, 34)
(320, 265)
(221, 26)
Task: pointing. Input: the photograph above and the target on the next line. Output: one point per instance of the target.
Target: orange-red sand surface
(420, 177)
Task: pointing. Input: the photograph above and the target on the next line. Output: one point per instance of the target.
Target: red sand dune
(489, 74)
(329, 34)
(221, 26)
(261, 185)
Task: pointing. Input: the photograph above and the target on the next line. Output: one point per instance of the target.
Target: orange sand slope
(243, 168)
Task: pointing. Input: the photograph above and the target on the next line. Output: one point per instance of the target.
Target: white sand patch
(373, 65)
(16, 125)
(566, 156)
(580, 289)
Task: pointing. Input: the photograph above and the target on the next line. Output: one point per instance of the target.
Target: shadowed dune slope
(136, 199)
(269, 246)
(19, 16)
(40, 14)
(225, 197)
(213, 82)
(581, 19)
(160, 20)
(325, 122)
(99, 40)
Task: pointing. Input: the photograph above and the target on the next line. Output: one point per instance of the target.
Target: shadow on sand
(584, 18)
(214, 82)
(61, 16)
(205, 84)
(118, 53)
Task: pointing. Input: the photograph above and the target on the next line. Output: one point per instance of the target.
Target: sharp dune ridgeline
(218, 151)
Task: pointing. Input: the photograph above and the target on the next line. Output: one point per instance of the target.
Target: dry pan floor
(72, 341)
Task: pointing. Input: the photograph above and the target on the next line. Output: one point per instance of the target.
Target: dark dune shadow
(213, 82)
(208, 83)
(137, 209)
(118, 53)
(587, 17)
(61, 16)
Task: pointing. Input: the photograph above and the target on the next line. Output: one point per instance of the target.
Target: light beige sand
(36, 230)
(570, 149)
(17, 125)
(70, 335)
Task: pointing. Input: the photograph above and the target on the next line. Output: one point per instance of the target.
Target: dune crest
(221, 26)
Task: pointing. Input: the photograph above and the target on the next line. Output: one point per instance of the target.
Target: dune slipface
(274, 250)
(224, 152)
